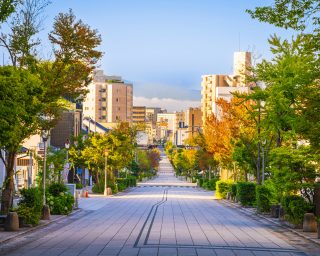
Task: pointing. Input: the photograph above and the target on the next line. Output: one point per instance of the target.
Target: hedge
(295, 207)
(263, 198)
(233, 191)
(246, 193)
(222, 188)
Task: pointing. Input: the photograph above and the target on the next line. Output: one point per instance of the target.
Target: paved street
(165, 216)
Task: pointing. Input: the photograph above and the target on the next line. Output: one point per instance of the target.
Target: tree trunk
(316, 199)
(278, 138)
(8, 191)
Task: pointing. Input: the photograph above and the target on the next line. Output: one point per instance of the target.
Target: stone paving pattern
(162, 217)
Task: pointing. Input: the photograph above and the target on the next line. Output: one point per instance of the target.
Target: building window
(119, 108)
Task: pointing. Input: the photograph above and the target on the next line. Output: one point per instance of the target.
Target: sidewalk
(310, 236)
(6, 236)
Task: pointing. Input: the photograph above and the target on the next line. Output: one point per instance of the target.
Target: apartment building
(169, 123)
(217, 86)
(109, 100)
(151, 114)
(139, 114)
(193, 121)
(68, 126)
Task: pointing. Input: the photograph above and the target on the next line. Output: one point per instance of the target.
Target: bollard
(12, 222)
(45, 212)
(309, 223)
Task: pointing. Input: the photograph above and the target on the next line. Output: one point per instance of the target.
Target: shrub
(32, 198)
(200, 182)
(56, 188)
(132, 181)
(210, 184)
(122, 184)
(30, 206)
(79, 186)
(59, 199)
(263, 198)
(295, 207)
(29, 214)
(222, 188)
(246, 193)
(99, 187)
(233, 190)
(61, 204)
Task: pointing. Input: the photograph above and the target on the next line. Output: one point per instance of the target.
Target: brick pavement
(165, 218)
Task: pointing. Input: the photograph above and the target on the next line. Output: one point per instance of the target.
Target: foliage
(223, 188)
(233, 190)
(61, 203)
(32, 198)
(295, 207)
(246, 193)
(56, 189)
(30, 205)
(209, 184)
(289, 14)
(113, 150)
(99, 187)
(6, 8)
(79, 186)
(122, 184)
(56, 158)
(263, 198)
(33, 88)
(294, 170)
(30, 215)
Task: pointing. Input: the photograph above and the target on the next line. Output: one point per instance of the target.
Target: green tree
(6, 8)
(294, 169)
(296, 14)
(21, 95)
(39, 101)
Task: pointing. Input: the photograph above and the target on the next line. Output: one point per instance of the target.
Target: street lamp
(106, 174)
(67, 146)
(46, 209)
(51, 168)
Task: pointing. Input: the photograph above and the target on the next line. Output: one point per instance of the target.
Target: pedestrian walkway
(160, 221)
(166, 176)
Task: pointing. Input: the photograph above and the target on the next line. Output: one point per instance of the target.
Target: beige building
(109, 99)
(151, 114)
(139, 114)
(169, 123)
(222, 86)
(193, 121)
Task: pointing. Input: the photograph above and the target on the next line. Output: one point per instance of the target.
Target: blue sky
(164, 46)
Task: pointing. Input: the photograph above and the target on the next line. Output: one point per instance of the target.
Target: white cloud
(165, 103)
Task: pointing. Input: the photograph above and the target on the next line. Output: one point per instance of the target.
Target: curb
(7, 239)
(248, 212)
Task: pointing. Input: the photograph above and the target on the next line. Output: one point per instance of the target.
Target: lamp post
(263, 161)
(30, 169)
(46, 209)
(67, 146)
(106, 174)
